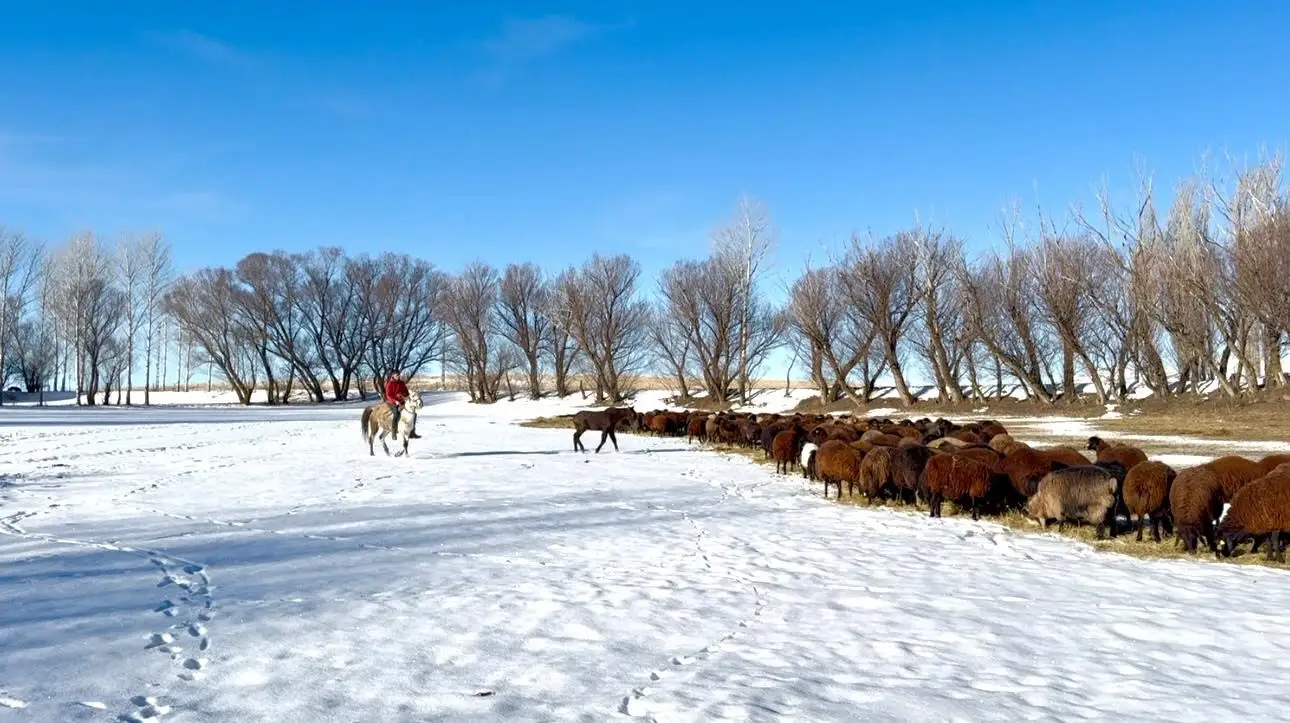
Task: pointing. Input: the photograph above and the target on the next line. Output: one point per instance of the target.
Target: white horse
(376, 424)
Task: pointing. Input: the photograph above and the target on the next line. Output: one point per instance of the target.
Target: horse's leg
(371, 442)
(604, 435)
(577, 433)
(613, 438)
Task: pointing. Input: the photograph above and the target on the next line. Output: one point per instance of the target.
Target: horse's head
(414, 402)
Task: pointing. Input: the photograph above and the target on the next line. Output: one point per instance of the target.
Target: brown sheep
(1271, 462)
(1001, 443)
(862, 447)
(990, 430)
(1025, 466)
(1085, 493)
(1261, 508)
(1234, 472)
(1127, 456)
(969, 437)
(836, 463)
(875, 472)
(697, 428)
(953, 477)
(785, 448)
(1195, 502)
(909, 443)
(1066, 455)
(947, 444)
(907, 466)
(878, 438)
(984, 455)
(1146, 492)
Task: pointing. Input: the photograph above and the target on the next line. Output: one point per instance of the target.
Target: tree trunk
(1273, 377)
(1068, 393)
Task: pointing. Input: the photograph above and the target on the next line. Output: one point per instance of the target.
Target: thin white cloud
(523, 39)
(202, 47)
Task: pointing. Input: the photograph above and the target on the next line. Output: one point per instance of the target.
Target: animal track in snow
(9, 702)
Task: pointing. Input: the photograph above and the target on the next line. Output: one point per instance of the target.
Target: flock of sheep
(980, 467)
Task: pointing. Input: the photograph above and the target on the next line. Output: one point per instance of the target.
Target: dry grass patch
(549, 423)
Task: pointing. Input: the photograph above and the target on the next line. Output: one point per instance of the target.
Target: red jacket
(396, 391)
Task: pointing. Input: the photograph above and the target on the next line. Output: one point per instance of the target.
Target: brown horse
(604, 421)
(377, 419)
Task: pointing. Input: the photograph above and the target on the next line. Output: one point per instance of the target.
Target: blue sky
(511, 132)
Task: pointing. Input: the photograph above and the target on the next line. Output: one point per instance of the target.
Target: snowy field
(229, 564)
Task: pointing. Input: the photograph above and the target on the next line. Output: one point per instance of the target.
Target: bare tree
(83, 271)
(522, 298)
(672, 346)
(599, 308)
(702, 300)
(940, 261)
(742, 247)
(132, 274)
(1065, 268)
(560, 345)
(880, 283)
(20, 266)
(401, 301)
(471, 310)
(156, 279)
(205, 307)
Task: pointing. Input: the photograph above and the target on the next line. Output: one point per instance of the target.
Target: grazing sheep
(1259, 509)
(1195, 502)
(1271, 462)
(1084, 493)
(1065, 455)
(953, 477)
(982, 454)
(1128, 456)
(785, 449)
(878, 438)
(947, 444)
(969, 437)
(1001, 443)
(907, 466)
(807, 460)
(909, 442)
(836, 463)
(990, 429)
(697, 428)
(875, 472)
(1146, 492)
(1234, 472)
(1025, 466)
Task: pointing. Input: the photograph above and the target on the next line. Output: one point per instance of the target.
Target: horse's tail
(367, 416)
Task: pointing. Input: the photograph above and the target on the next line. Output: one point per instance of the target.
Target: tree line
(1184, 297)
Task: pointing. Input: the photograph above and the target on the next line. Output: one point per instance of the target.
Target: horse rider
(396, 394)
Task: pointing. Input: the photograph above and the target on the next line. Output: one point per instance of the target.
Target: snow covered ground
(256, 565)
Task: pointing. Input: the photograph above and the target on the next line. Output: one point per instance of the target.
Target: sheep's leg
(976, 512)
(1142, 520)
(1101, 529)
(1274, 545)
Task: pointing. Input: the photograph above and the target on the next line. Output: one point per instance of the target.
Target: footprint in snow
(158, 640)
(8, 702)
